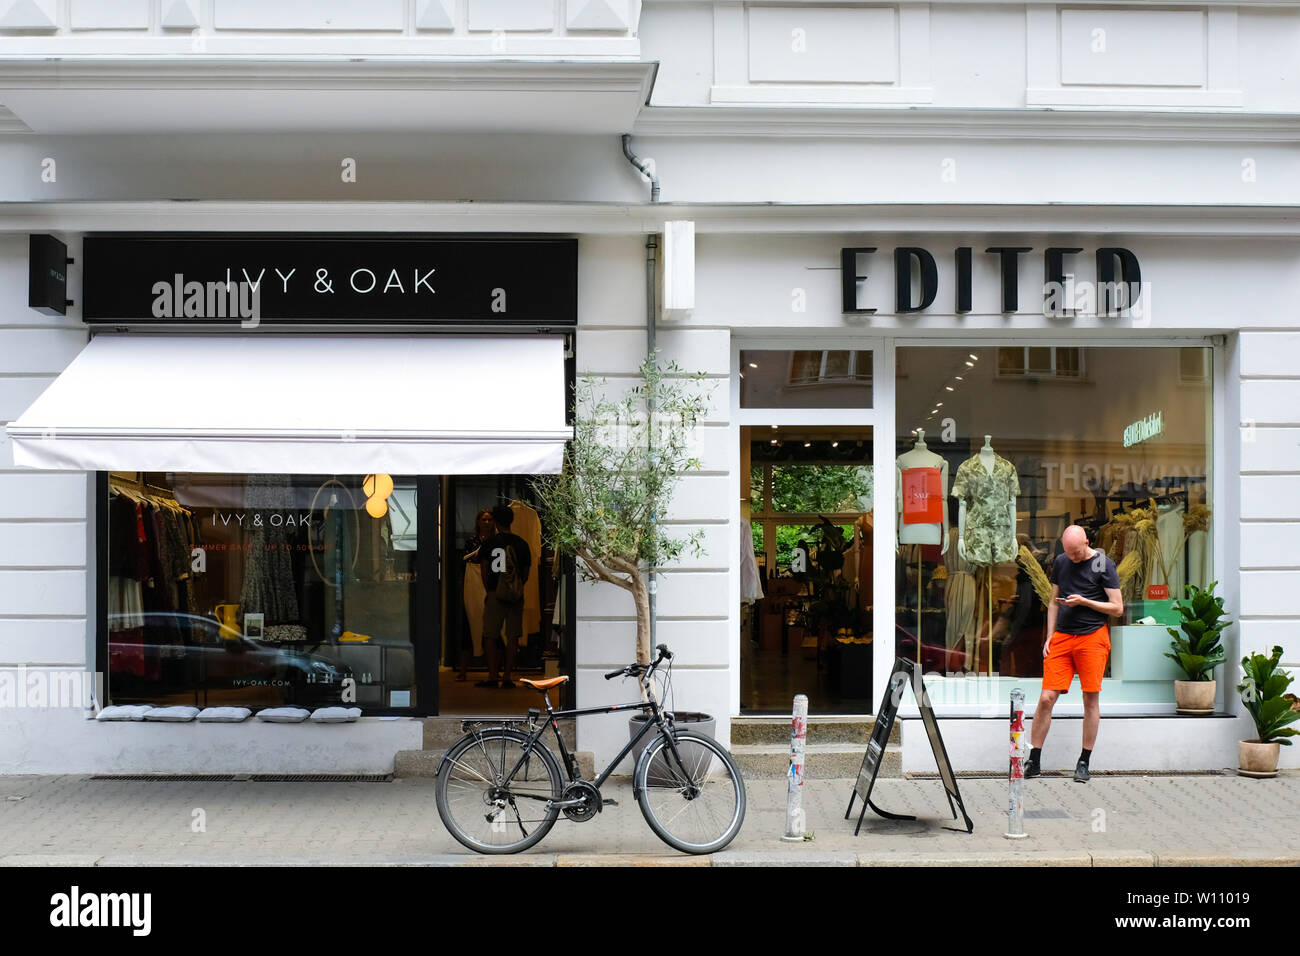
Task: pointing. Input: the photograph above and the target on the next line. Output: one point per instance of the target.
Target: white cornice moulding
(880, 219)
(940, 4)
(1096, 126)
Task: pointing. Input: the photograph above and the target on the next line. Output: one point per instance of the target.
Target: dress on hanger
(1169, 530)
(528, 525)
(751, 585)
(959, 600)
(474, 593)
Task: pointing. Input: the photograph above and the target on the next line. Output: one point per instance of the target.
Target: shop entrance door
(478, 670)
(810, 493)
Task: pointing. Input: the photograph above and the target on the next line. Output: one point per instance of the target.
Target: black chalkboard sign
(904, 673)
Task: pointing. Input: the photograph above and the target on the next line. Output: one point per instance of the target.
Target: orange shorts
(1084, 654)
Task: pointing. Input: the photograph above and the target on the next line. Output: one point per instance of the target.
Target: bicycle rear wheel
(481, 808)
(697, 806)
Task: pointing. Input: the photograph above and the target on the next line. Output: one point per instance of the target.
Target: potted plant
(621, 466)
(1262, 691)
(1197, 649)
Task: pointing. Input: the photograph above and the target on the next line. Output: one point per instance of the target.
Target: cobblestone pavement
(1123, 820)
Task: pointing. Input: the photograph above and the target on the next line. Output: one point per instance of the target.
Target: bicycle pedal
(609, 802)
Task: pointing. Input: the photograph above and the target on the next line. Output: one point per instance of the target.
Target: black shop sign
(1117, 288)
(326, 279)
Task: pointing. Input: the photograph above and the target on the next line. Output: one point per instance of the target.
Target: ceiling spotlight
(971, 354)
(835, 444)
(807, 444)
(753, 365)
(773, 441)
(970, 364)
(959, 378)
(742, 374)
(946, 387)
(774, 427)
(938, 404)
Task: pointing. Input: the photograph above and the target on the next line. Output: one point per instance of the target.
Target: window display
(1116, 440)
(260, 590)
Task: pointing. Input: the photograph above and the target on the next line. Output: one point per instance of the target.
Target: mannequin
(986, 484)
(922, 502)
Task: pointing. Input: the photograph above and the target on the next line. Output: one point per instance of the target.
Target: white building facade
(981, 151)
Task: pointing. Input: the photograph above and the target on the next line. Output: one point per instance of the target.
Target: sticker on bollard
(904, 673)
(795, 821)
(1016, 772)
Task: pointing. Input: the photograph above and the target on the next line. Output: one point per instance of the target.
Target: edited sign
(1144, 428)
(331, 279)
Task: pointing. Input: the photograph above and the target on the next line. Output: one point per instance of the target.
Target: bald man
(1078, 640)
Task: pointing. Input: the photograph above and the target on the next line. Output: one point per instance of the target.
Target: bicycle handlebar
(635, 670)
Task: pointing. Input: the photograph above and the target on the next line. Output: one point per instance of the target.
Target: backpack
(510, 582)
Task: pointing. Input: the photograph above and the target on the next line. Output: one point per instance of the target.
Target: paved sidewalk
(1114, 820)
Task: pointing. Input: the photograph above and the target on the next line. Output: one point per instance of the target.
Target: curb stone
(628, 859)
(731, 858)
(1123, 858)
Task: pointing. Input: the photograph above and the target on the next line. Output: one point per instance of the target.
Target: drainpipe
(650, 246)
(641, 165)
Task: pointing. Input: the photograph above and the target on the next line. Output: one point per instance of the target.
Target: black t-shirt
(487, 553)
(1089, 578)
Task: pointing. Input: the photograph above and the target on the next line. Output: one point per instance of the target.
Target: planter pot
(1194, 696)
(1257, 760)
(696, 723)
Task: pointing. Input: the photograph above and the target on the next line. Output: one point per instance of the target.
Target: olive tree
(626, 456)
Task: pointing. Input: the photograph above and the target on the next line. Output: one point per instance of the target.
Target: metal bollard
(795, 823)
(1015, 801)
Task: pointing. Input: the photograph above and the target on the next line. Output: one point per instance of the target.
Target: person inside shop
(471, 638)
(1085, 593)
(505, 560)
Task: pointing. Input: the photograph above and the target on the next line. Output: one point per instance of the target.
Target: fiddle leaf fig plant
(1263, 692)
(1197, 649)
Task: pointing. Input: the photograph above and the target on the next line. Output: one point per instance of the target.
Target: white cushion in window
(177, 714)
(224, 715)
(335, 715)
(284, 715)
(124, 712)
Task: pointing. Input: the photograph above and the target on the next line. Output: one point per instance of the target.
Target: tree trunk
(641, 595)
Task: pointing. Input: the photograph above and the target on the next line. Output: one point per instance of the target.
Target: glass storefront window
(1116, 440)
(807, 378)
(261, 590)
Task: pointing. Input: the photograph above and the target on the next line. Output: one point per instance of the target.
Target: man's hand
(1075, 600)
(1047, 645)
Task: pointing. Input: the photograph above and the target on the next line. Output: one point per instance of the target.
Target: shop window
(261, 590)
(1194, 366)
(818, 378)
(1125, 454)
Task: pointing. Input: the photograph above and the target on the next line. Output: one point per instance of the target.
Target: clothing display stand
(990, 590)
(918, 606)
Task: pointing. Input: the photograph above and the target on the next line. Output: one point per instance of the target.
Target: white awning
(299, 404)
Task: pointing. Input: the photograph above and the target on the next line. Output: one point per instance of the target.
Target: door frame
(879, 418)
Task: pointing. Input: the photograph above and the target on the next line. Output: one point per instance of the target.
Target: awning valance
(298, 404)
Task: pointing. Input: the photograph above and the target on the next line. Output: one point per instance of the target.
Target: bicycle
(500, 789)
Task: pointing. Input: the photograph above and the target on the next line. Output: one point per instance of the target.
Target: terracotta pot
(1195, 696)
(1257, 760)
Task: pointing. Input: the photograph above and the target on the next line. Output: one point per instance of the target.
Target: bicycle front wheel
(485, 807)
(694, 800)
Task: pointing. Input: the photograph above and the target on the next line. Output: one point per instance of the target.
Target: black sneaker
(1081, 774)
(1032, 769)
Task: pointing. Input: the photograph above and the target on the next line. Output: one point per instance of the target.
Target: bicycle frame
(552, 718)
